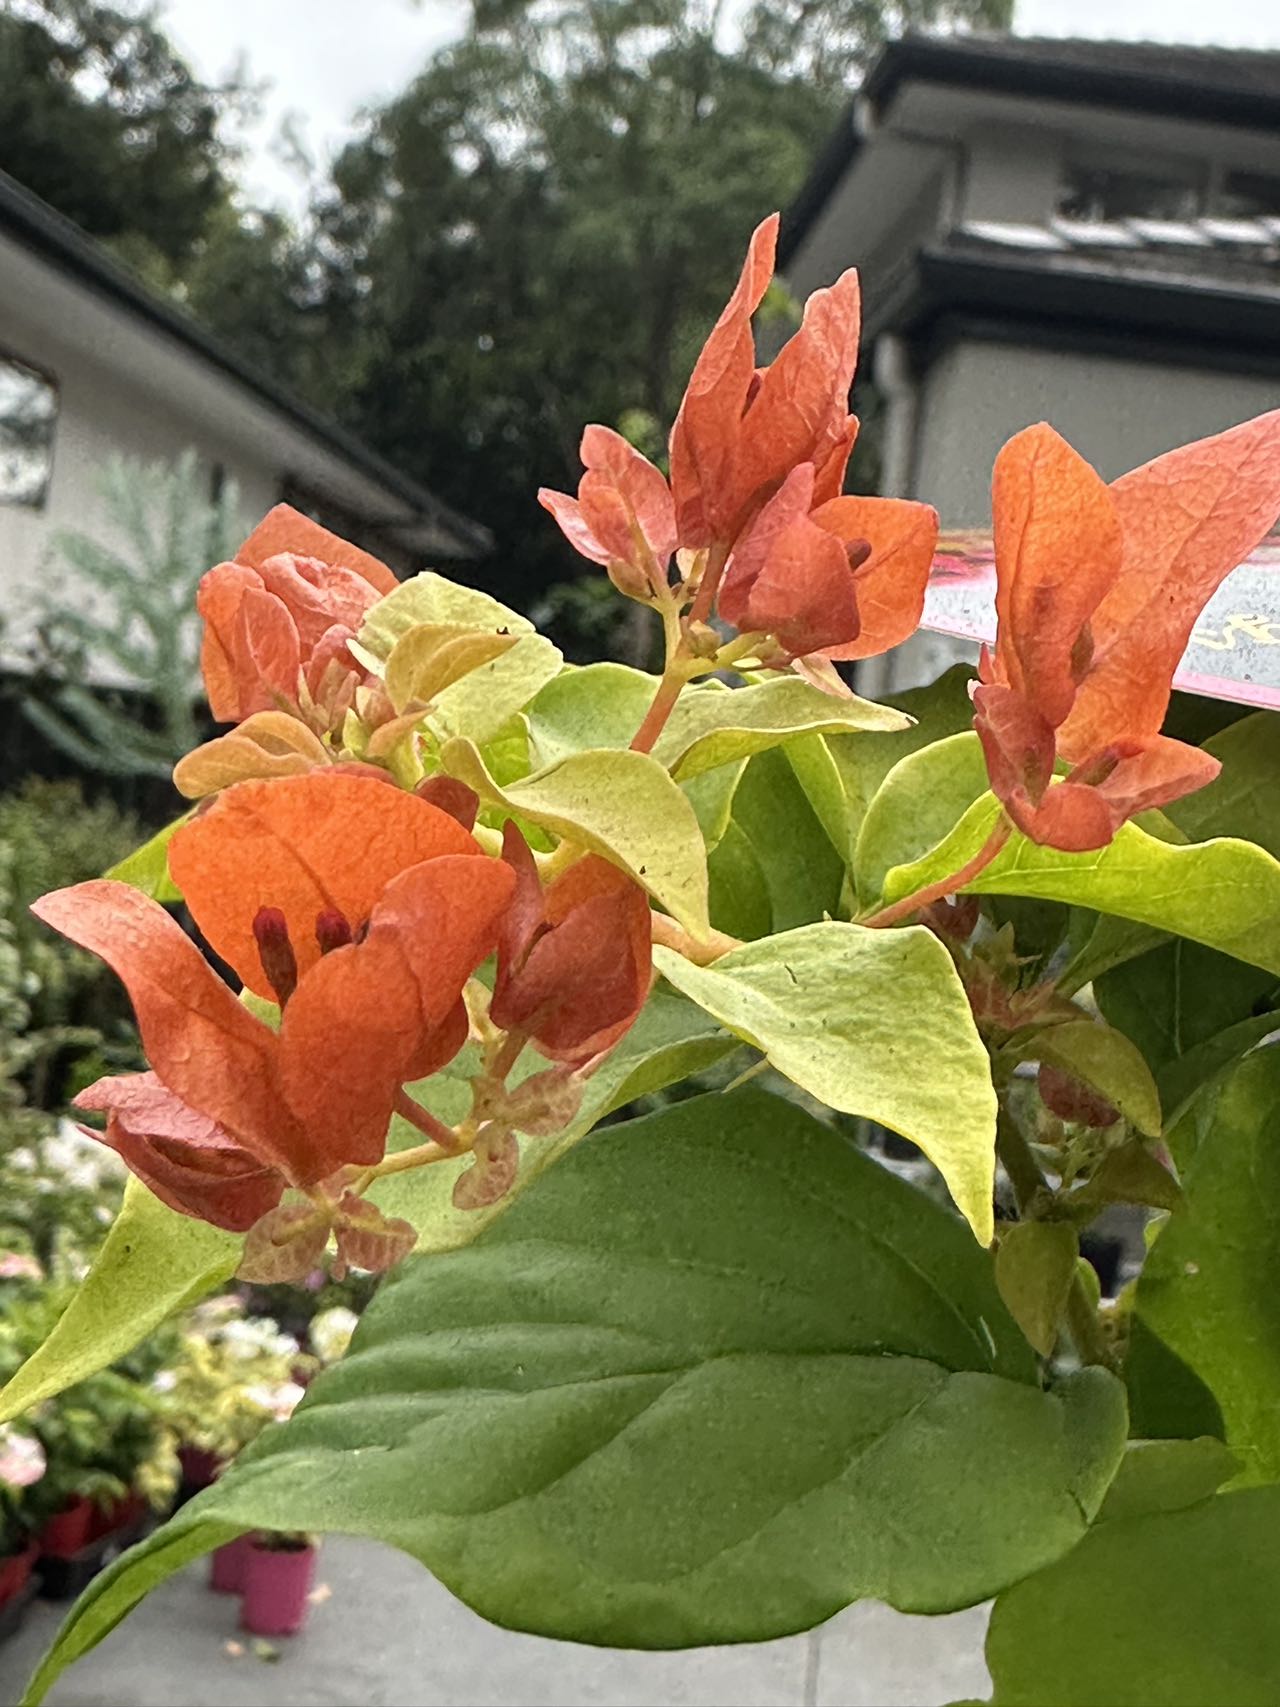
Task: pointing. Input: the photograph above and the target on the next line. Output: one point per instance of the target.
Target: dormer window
(1097, 191)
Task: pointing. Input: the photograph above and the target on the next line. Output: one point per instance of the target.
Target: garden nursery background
(382, 264)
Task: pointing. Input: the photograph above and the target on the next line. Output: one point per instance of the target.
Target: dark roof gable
(1223, 85)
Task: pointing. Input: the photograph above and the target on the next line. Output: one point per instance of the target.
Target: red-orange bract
(1098, 589)
(574, 960)
(365, 908)
(758, 459)
(285, 607)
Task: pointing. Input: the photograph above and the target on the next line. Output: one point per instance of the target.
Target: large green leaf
(1224, 893)
(432, 599)
(619, 804)
(1211, 1284)
(844, 1012)
(1179, 996)
(147, 867)
(1169, 1609)
(717, 1376)
(153, 1261)
(671, 1040)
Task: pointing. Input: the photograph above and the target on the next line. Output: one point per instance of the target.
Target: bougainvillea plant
(712, 1372)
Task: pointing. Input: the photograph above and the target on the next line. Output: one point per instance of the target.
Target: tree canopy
(533, 234)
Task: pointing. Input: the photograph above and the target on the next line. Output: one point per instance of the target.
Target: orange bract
(303, 844)
(1098, 589)
(233, 1111)
(739, 432)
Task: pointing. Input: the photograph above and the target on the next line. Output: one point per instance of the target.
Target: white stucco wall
(1116, 412)
(101, 412)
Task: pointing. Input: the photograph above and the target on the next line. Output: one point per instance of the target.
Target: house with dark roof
(92, 363)
(1083, 232)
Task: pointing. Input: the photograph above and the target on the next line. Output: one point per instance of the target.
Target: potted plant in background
(22, 1464)
(279, 1570)
(229, 1377)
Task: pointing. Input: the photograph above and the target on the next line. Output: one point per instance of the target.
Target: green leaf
(1179, 996)
(1167, 1475)
(1244, 800)
(1170, 1609)
(1212, 1278)
(1223, 893)
(819, 776)
(671, 1040)
(1035, 1265)
(714, 725)
(800, 869)
(622, 805)
(153, 1261)
(432, 599)
(1101, 1057)
(1198, 1071)
(147, 867)
(740, 901)
(941, 709)
(599, 705)
(717, 1376)
(711, 724)
(1127, 1174)
(844, 1012)
(916, 807)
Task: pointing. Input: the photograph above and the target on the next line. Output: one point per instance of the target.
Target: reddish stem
(425, 1121)
(944, 886)
(655, 719)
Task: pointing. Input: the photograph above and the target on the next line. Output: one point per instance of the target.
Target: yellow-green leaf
(1035, 1265)
(1224, 893)
(147, 867)
(713, 725)
(432, 599)
(153, 1261)
(871, 1022)
(621, 805)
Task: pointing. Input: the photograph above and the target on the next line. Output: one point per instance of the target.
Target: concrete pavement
(388, 1635)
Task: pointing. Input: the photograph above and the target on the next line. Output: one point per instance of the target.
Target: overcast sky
(325, 59)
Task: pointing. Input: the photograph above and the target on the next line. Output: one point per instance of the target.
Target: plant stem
(655, 719)
(709, 585)
(945, 885)
(426, 1123)
(401, 1160)
(701, 951)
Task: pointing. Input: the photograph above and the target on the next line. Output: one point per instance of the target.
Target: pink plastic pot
(277, 1581)
(227, 1565)
(15, 1571)
(119, 1514)
(67, 1531)
(199, 1468)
